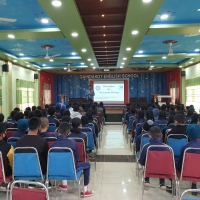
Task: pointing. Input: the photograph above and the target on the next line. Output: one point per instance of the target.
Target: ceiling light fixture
(147, 1)
(180, 66)
(91, 64)
(14, 60)
(196, 50)
(21, 54)
(45, 21)
(191, 62)
(38, 69)
(152, 66)
(89, 59)
(28, 65)
(124, 58)
(43, 65)
(74, 34)
(82, 63)
(94, 67)
(134, 32)
(104, 35)
(122, 63)
(11, 36)
(164, 57)
(51, 60)
(198, 10)
(140, 51)
(65, 68)
(73, 53)
(121, 67)
(83, 50)
(56, 3)
(165, 16)
(128, 49)
(102, 15)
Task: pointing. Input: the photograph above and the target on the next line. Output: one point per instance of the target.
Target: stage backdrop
(140, 85)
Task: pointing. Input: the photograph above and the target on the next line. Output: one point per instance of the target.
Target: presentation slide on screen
(110, 92)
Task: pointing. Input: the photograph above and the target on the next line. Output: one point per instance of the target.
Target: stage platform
(114, 113)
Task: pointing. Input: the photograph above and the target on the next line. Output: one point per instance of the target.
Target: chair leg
(8, 190)
(142, 188)
(79, 190)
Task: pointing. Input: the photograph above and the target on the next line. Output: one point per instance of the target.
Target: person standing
(89, 93)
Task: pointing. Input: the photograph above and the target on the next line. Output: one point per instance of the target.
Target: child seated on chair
(44, 127)
(155, 136)
(63, 141)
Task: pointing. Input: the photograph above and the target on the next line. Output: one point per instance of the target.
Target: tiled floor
(113, 181)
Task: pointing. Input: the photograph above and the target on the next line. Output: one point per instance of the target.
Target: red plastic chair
(191, 161)
(50, 140)
(3, 177)
(27, 193)
(52, 133)
(10, 131)
(159, 164)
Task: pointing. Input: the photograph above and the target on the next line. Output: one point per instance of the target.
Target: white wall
(192, 72)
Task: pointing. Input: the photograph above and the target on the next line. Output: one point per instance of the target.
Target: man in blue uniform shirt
(52, 118)
(89, 93)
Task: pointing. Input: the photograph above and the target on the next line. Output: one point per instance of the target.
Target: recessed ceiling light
(28, 65)
(14, 60)
(26, 62)
(82, 63)
(83, 50)
(104, 35)
(102, 15)
(140, 51)
(180, 66)
(45, 21)
(198, 10)
(122, 63)
(103, 26)
(91, 64)
(11, 36)
(134, 32)
(73, 53)
(65, 68)
(74, 34)
(121, 67)
(190, 62)
(89, 59)
(56, 3)
(94, 67)
(165, 16)
(21, 54)
(44, 65)
(196, 50)
(128, 49)
(51, 60)
(124, 58)
(147, 1)
(164, 57)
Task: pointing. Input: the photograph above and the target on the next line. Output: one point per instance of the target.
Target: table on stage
(159, 98)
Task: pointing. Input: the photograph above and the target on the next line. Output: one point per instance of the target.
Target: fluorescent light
(152, 66)
(128, 49)
(74, 34)
(121, 67)
(198, 10)
(190, 62)
(82, 63)
(38, 69)
(56, 3)
(180, 66)
(147, 1)
(165, 16)
(94, 67)
(91, 64)
(89, 59)
(73, 53)
(196, 50)
(44, 65)
(21, 54)
(83, 50)
(14, 60)
(28, 65)
(51, 60)
(11, 36)
(124, 58)
(164, 57)
(135, 32)
(140, 51)
(65, 68)
(122, 63)
(45, 21)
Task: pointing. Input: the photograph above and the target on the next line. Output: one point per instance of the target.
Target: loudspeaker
(182, 73)
(5, 68)
(35, 76)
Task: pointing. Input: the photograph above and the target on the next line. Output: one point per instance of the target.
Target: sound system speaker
(5, 68)
(182, 73)
(35, 76)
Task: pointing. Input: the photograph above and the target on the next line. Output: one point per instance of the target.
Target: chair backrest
(90, 139)
(9, 124)
(10, 131)
(81, 148)
(160, 162)
(136, 129)
(52, 133)
(189, 191)
(144, 140)
(91, 125)
(52, 127)
(191, 161)
(61, 165)
(50, 140)
(162, 126)
(130, 123)
(13, 141)
(26, 164)
(175, 143)
(2, 172)
(28, 193)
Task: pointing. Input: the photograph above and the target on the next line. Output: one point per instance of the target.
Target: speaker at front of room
(182, 73)
(35, 76)
(5, 68)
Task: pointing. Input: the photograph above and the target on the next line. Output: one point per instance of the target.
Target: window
(46, 94)
(24, 94)
(173, 92)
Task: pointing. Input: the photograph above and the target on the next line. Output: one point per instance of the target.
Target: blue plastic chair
(52, 127)
(26, 166)
(61, 166)
(130, 123)
(190, 198)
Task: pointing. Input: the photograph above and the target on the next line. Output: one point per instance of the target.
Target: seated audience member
(145, 129)
(57, 110)
(104, 110)
(1, 118)
(178, 109)
(194, 118)
(155, 111)
(131, 114)
(81, 111)
(38, 113)
(66, 113)
(170, 125)
(26, 112)
(29, 109)
(75, 113)
(188, 116)
(63, 141)
(60, 116)
(32, 140)
(155, 136)
(52, 118)
(33, 108)
(44, 127)
(161, 118)
(39, 108)
(31, 114)
(22, 127)
(90, 120)
(179, 127)
(18, 116)
(44, 113)
(46, 108)
(7, 152)
(11, 118)
(66, 119)
(76, 131)
(17, 109)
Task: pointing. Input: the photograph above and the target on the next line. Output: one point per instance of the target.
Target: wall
(73, 86)
(23, 74)
(192, 72)
(174, 76)
(48, 79)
